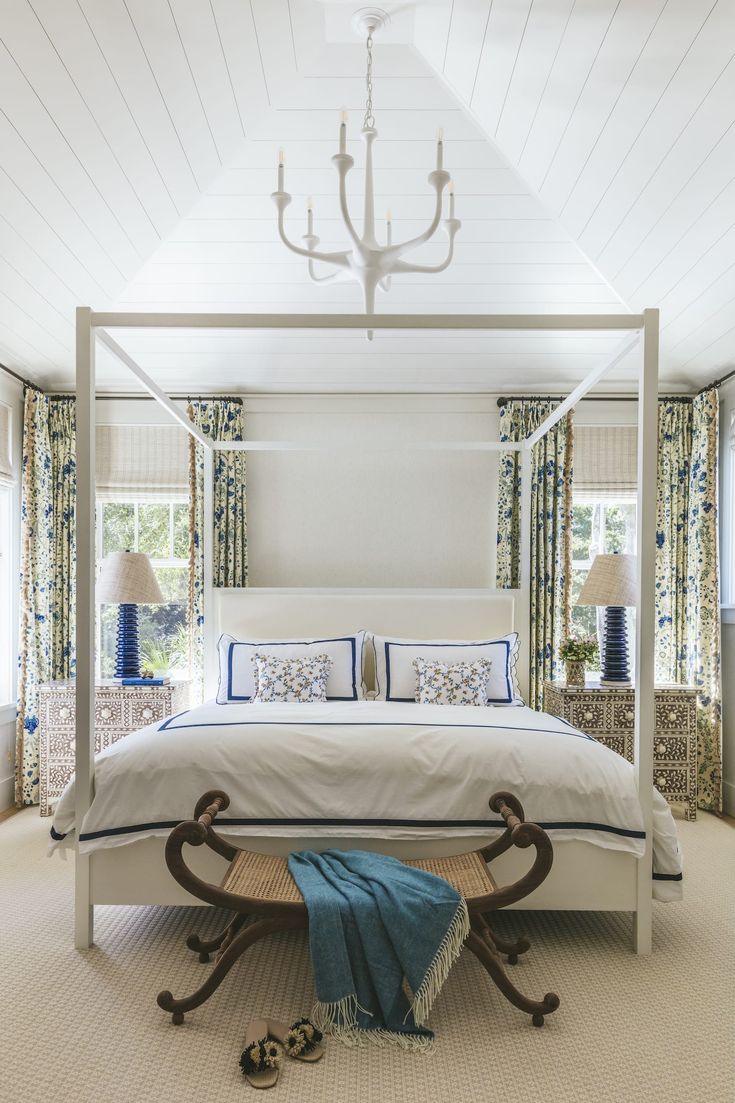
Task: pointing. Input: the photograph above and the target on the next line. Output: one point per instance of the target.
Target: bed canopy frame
(638, 331)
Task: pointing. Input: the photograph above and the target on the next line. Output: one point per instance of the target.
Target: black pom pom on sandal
(262, 1057)
(301, 1041)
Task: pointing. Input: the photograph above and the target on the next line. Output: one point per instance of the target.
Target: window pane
(174, 583)
(108, 639)
(118, 527)
(181, 531)
(153, 530)
(620, 527)
(164, 643)
(584, 617)
(581, 530)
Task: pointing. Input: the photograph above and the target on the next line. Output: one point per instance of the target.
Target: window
(161, 529)
(599, 526)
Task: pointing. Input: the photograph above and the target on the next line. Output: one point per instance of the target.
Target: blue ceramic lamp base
(615, 666)
(127, 657)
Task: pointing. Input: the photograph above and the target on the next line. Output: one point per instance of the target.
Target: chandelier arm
(403, 267)
(339, 259)
(328, 277)
(441, 179)
(343, 168)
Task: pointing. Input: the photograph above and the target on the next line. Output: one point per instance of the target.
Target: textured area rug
(85, 1028)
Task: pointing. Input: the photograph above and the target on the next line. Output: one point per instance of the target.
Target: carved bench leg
(512, 949)
(204, 947)
(489, 958)
(226, 960)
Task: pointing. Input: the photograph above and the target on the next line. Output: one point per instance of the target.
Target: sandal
(300, 1041)
(261, 1059)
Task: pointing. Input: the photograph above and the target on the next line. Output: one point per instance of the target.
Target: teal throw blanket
(373, 924)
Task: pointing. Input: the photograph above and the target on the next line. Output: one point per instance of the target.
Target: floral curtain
(703, 612)
(221, 419)
(48, 568)
(551, 529)
(672, 539)
(687, 572)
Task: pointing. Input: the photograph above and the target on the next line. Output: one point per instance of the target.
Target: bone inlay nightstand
(118, 711)
(608, 715)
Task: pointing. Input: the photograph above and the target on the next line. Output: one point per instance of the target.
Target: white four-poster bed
(583, 877)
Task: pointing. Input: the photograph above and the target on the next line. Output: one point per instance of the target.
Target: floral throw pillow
(462, 683)
(303, 679)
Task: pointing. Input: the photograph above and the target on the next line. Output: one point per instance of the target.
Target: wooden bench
(259, 887)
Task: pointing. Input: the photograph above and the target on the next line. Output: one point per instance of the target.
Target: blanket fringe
(339, 1019)
(448, 952)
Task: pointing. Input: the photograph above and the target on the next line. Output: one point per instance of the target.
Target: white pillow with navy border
(395, 676)
(237, 678)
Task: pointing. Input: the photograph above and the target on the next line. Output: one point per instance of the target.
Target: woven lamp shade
(613, 580)
(127, 578)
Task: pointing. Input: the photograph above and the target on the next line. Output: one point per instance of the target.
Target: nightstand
(608, 715)
(118, 711)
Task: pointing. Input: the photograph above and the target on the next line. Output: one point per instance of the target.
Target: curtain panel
(551, 531)
(48, 568)
(220, 419)
(687, 573)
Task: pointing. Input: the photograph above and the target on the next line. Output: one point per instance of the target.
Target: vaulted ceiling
(591, 143)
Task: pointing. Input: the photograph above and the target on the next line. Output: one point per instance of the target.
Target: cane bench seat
(263, 898)
(266, 876)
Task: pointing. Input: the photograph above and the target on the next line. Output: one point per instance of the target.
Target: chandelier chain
(369, 120)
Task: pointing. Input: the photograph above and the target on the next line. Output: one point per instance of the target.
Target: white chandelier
(367, 261)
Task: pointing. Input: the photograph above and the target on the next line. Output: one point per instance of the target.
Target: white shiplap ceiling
(591, 142)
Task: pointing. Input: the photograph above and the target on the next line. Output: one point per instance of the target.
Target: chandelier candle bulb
(388, 227)
(451, 199)
(440, 149)
(281, 160)
(343, 133)
(310, 215)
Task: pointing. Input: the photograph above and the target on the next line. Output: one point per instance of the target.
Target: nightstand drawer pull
(147, 713)
(660, 748)
(672, 717)
(588, 715)
(630, 715)
(64, 713)
(105, 713)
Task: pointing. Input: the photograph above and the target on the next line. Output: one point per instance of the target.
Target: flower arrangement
(574, 650)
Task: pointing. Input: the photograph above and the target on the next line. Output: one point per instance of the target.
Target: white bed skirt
(583, 877)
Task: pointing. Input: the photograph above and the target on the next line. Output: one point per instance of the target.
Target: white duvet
(370, 769)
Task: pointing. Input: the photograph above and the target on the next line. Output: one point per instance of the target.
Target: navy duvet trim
(56, 836)
(668, 876)
(312, 822)
(366, 724)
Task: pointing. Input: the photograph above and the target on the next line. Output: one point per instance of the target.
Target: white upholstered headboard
(257, 613)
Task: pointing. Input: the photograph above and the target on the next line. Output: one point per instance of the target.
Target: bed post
(209, 658)
(646, 619)
(85, 617)
(523, 622)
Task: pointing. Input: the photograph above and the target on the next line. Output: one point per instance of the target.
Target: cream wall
(375, 516)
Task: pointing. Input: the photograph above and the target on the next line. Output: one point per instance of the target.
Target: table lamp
(127, 579)
(613, 583)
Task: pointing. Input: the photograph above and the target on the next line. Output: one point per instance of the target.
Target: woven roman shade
(142, 462)
(6, 456)
(605, 460)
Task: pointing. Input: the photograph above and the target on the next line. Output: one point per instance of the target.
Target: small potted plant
(576, 654)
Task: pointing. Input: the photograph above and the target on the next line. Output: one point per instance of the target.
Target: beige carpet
(77, 1028)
